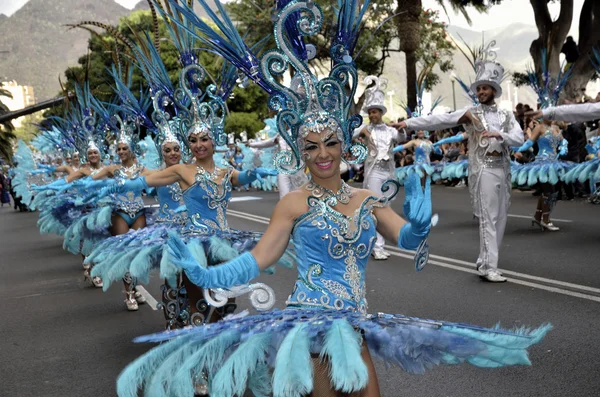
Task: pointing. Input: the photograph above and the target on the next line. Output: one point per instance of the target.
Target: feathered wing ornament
(546, 87)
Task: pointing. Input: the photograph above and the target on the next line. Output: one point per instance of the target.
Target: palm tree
(409, 33)
(6, 129)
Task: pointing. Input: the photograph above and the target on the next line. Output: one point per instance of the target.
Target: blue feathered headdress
(548, 88)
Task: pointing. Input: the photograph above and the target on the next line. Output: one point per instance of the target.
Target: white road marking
(150, 301)
(529, 217)
(469, 267)
(244, 198)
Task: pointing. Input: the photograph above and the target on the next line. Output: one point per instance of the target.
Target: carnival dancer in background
(286, 183)
(380, 140)
(491, 132)
(421, 144)
(546, 169)
(206, 189)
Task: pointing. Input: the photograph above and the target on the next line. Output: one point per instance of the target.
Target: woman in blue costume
(130, 254)
(588, 170)
(546, 169)
(322, 344)
(206, 190)
(422, 165)
(127, 206)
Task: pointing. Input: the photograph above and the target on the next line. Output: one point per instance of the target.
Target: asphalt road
(60, 337)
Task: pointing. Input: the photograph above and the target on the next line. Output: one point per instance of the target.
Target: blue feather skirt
(140, 252)
(454, 170)
(589, 170)
(422, 170)
(539, 171)
(271, 353)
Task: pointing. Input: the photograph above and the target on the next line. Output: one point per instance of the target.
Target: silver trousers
(373, 182)
(492, 218)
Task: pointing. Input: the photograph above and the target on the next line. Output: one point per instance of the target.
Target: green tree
(410, 32)
(114, 46)
(254, 18)
(435, 47)
(237, 122)
(7, 135)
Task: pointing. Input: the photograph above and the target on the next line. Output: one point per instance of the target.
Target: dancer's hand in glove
(56, 186)
(398, 148)
(249, 176)
(417, 210)
(235, 272)
(48, 168)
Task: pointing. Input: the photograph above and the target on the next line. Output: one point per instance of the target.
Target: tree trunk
(409, 33)
(411, 79)
(589, 38)
(552, 34)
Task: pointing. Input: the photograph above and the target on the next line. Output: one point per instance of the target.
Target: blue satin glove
(563, 148)
(249, 176)
(526, 146)
(398, 148)
(48, 168)
(56, 185)
(437, 150)
(235, 272)
(450, 139)
(417, 209)
(112, 187)
(40, 171)
(590, 149)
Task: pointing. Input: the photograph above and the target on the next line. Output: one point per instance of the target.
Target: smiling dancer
(324, 342)
(380, 140)
(491, 132)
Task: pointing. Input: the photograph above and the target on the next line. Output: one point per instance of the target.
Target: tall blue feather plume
(293, 375)
(342, 347)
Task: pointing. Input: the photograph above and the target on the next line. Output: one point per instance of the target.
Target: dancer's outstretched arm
(570, 113)
(247, 266)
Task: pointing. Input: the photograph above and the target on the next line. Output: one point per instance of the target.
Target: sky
(509, 11)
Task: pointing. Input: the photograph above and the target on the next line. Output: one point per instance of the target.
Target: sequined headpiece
(203, 117)
(127, 133)
(315, 105)
(488, 71)
(547, 88)
(375, 95)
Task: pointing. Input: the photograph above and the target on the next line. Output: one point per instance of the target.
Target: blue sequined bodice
(169, 199)
(206, 201)
(422, 152)
(332, 251)
(129, 202)
(548, 144)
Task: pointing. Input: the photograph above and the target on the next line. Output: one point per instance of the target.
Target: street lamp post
(453, 94)
(391, 95)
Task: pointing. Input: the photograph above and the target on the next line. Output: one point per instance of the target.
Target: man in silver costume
(380, 140)
(491, 132)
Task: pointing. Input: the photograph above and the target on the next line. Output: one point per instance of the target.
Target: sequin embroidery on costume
(324, 239)
(208, 214)
(130, 202)
(169, 198)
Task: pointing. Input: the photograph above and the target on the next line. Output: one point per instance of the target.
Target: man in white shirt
(380, 140)
(491, 132)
